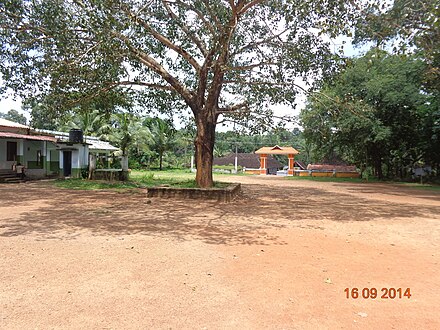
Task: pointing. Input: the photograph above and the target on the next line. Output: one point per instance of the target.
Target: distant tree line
(15, 116)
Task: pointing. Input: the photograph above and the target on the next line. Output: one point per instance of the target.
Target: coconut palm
(125, 130)
(162, 136)
(90, 122)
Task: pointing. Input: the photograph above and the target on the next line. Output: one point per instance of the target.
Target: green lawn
(186, 179)
(173, 175)
(83, 184)
(139, 179)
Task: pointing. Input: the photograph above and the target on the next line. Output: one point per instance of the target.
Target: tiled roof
(27, 137)
(97, 144)
(300, 164)
(8, 123)
(247, 160)
(277, 150)
(94, 142)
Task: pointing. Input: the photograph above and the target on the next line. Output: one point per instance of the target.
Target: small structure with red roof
(290, 152)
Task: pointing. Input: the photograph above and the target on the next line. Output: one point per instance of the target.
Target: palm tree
(162, 136)
(125, 130)
(89, 122)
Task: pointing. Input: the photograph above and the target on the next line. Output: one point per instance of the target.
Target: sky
(9, 103)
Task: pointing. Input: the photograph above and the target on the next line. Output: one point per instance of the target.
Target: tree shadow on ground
(394, 190)
(54, 213)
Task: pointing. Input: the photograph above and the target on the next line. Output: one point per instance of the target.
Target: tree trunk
(160, 160)
(92, 166)
(124, 166)
(204, 148)
(378, 167)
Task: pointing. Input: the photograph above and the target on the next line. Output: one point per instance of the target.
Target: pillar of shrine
(263, 164)
(290, 171)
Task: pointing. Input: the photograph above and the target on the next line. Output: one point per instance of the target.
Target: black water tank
(76, 135)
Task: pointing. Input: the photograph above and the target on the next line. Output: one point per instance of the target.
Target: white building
(46, 153)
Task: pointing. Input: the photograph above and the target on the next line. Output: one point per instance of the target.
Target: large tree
(408, 25)
(214, 57)
(374, 113)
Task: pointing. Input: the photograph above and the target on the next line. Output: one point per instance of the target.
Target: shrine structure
(276, 150)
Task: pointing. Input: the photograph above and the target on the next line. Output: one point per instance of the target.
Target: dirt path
(279, 257)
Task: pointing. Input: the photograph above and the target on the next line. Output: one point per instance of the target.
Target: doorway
(67, 163)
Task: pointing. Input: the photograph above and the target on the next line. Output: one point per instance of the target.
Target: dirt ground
(280, 257)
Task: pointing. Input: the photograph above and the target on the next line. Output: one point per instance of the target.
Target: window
(11, 151)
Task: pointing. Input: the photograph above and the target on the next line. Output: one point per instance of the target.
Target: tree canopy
(15, 116)
(410, 25)
(376, 113)
(217, 58)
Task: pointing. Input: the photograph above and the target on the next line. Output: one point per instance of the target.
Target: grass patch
(139, 179)
(82, 184)
(172, 179)
(168, 175)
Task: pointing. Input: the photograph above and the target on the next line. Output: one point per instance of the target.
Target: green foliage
(162, 136)
(138, 179)
(41, 116)
(409, 26)
(126, 131)
(76, 52)
(229, 142)
(90, 121)
(221, 60)
(15, 116)
(84, 173)
(372, 114)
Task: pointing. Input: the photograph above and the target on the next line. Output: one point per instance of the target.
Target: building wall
(31, 159)
(38, 165)
(4, 164)
(80, 159)
(53, 160)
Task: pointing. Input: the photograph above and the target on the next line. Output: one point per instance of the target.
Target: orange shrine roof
(277, 150)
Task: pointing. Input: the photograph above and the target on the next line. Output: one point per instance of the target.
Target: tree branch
(163, 40)
(248, 6)
(213, 16)
(259, 43)
(232, 108)
(153, 65)
(185, 29)
(145, 84)
(247, 67)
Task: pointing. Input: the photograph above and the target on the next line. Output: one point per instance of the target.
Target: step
(11, 175)
(12, 180)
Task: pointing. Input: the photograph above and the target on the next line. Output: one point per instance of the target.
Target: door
(67, 163)
(11, 151)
